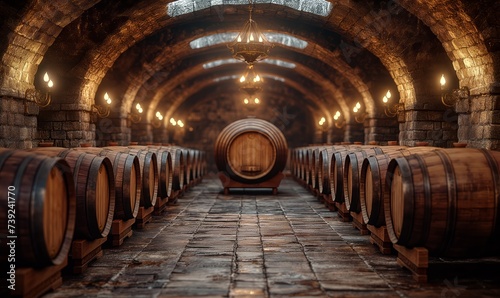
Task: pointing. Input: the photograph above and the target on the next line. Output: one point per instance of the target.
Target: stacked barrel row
(53, 195)
(445, 200)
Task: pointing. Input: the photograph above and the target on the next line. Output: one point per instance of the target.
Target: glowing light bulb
(385, 99)
(442, 81)
(260, 39)
(355, 109)
(257, 79)
(106, 96)
(138, 106)
(242, 79)
(256, 100)
(245, 101)
(50, 84)
(46, 77)
(251, 37)
(358, 105)
(388, 94)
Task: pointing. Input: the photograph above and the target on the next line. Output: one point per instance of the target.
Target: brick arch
(454, 27)
(177, 98)
(337, 97)
(33, 33)
(93, 72)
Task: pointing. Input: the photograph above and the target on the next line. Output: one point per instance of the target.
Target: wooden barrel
(372, 183)
(351, 176)
(95, 190)
(128, 182)
(315, 166)
(325, 159)
(251, 151)
(149, 173)
(164, 166)
(38, 202)
(337, 170)
(178, 167)
(445, 200)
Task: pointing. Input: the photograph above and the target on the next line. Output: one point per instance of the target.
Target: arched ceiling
(139, 51)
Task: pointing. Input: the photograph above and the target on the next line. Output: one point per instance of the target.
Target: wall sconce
(359, 117)
(103, 111)
(176, 123)
(391, 110)
(158, 120)
(136, 117)
(450, 97)
(41, 97)
(336, 117)
(322, 121)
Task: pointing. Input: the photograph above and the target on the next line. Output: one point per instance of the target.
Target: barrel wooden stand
(143, 217)
(329, 203)
(273, 183)
(380, 238)
(34, 282)
(357, 222)
(83, 252)
(160, 206)
(342, 212)
(414, 259)
(120, 230)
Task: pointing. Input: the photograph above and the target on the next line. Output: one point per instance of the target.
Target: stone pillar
(437, 127)
(112, 129)
(18, 125)
(141, 133)
(67, 125)
(382, 130)
(355, 132)
(481, 127)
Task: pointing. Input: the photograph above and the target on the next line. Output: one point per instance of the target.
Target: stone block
(58, 134)
(71, 126)
(19, 120)
(75, 135)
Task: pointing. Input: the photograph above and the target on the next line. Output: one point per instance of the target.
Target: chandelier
(250, 45)
(250, 82)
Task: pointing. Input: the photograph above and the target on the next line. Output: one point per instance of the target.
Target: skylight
(274, 37)
(181, 7)
(220, 62)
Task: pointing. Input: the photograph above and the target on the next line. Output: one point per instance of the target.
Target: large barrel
(372, 183)
(251, 151)
(445, 200)
(128, 182)
(95, 190)
(38, 202)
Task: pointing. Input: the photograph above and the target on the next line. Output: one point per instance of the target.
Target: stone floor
(258, 245)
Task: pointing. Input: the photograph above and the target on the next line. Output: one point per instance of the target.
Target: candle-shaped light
(442, 81)
(256, 100)
(246, 101)
(173, 122)
(242, 79)
(46, 78)
(50, 84)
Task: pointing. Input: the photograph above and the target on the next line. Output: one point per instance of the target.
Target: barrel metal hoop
(4, 156)
(377, 183)
(426, 224)
(90, 207)
(495, 237)
(35, 204)
(451, 219)
(408, 198)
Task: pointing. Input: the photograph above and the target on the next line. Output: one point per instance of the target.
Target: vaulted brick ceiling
(138, 53)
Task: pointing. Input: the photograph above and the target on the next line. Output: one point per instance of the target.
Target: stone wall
(18, 123)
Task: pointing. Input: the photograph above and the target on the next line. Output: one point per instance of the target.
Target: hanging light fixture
(250, 82)
(250, 45)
